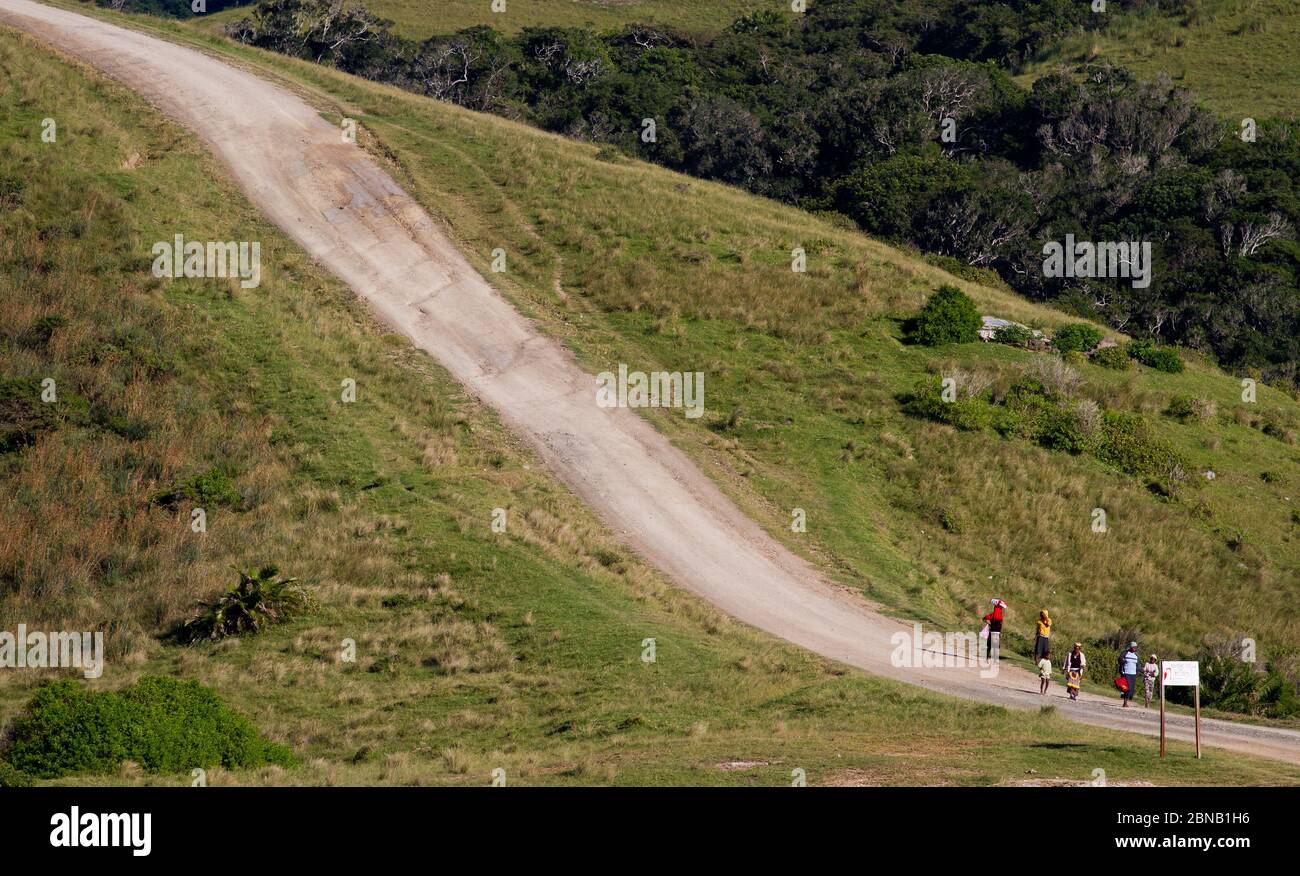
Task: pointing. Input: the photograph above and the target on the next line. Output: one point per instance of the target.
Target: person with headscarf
(1075, 664)
(1043, 640)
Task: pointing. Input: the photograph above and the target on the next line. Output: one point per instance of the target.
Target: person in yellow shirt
(1043, 641)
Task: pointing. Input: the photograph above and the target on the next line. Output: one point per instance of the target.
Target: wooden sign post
(1180, 673)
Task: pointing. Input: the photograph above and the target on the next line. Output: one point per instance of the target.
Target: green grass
(631, 263)
(477, 651)
(1238, 55)
(420, 19)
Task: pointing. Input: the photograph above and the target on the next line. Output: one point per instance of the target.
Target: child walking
(1044, 672)
(1150, 672)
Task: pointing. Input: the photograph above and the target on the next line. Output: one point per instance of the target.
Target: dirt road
(344, 210)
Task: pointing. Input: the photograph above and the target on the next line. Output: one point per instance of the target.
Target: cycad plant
(258, 600)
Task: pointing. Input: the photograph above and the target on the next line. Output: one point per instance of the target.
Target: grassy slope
(420, 19)
(1239, 55)
(661, 271)
(475, 651)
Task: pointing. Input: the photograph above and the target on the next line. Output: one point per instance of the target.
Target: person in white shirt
(1128, 668)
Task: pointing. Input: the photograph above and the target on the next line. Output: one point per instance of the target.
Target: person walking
(1150, 672)
(1075, 664)
(1044, 672)
(1043, 640)
(1128, 669)
(994, 621)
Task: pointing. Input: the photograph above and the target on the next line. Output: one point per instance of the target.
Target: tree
(722, 140)
(949, 317)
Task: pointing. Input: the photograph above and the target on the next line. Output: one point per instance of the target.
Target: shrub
(969, 413)
(164, 724)
(69, 729)
(12, 777)
(24, 417)
(256, 601)
(1101, 664)
(43, 329)
(1056, 375)
(1115, 358)
(1154, 356)
(951, 521)
(188, 725)
(1125, 440)
(1233, 684)
(1025, 407)
(1281, 433)
(1186, 407)
(1013, 335)
(211, 488)
(949, 317)
(1061, 430)
(1078, 337)
(1087, 414)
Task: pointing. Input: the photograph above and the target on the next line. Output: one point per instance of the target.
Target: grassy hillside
(419, 19)
(1238, 55)
(631, 263)
(475, 650)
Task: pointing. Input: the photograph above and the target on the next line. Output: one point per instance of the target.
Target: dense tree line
(903, 115)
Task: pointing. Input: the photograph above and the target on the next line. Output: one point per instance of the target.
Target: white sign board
(1181, 673)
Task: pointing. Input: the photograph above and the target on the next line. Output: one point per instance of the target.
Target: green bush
(12, 777)
(255, 601)
(949, 317)
(1077, 337)
(1234, 685)
(1061, 430)
(1028, 390)
(1154, 356)
(1102, 663)
(1126, 441)
(163, 724)
(69, 729)
(967, 414)
(211, 488)
(1115, 358)
(1185, 407)
(1013, 335)
(1031, 410)
(1181, 407)
(1024, 408)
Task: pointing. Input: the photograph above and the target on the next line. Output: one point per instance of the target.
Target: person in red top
(994, 620)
